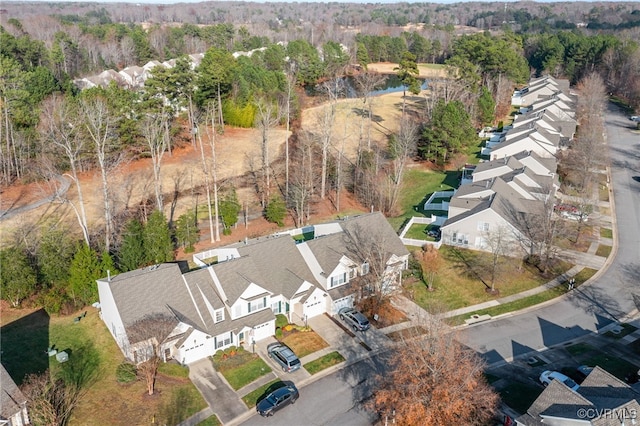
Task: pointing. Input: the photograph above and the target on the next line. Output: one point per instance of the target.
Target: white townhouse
(535, 139)
(539, 88)
(234, 301)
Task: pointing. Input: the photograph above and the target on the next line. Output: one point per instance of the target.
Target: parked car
(635, 118)
(284, 356)
(547, 376)
(277, 399)
(354, 318)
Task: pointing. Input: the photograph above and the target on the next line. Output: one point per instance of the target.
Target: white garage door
(345, 302)
(265, 330)
(315, 307)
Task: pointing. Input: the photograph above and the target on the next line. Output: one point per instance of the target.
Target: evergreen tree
(132, 253)
(229, 210)
(158, 246)
(54, 256)
(107, 265)
(17, 277)
(486, 106)
(84, 271)
(187, 232)
(450, 131)
(276, 211)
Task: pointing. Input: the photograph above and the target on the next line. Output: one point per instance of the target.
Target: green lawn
(616, 366)
(464, 277)
(323, 362)
(240, 367)
(606, 233)
(417, 186)
(25, 338)
(603, 250)
(520, 396)
(579, 349)
(626, 330)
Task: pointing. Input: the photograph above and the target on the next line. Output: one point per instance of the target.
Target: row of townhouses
(135, 76)
(232, 299)
(520, 177)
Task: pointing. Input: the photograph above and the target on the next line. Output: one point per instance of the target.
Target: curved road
(609, 297)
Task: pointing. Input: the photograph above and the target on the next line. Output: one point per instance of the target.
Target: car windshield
(272, 399)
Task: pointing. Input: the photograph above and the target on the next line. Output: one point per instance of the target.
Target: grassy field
(418, 184)
(519, 396)
(303, 343)
(464, 278)
(25, 339)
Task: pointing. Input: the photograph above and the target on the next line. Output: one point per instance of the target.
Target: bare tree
(379, 279)
(333, 90)
(59, 126)
(430, 263)
(99, 123)
(290, 81)
(155, 132)
(366, 83)
(267, 117)
(499, 242)
(213, 168)
(52, 397)
(401, 149)
(302, 179)
(435, 380)
(146, 338)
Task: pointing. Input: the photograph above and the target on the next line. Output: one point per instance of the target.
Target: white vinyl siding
(483, 226)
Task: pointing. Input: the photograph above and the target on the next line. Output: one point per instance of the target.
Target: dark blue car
(277, 399)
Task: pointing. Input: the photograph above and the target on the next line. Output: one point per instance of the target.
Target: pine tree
(158, 245)
(83, 273)
(132, 253)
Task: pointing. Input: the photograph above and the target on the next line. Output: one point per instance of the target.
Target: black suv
(354, 318)
(277, 399)
(284, 356)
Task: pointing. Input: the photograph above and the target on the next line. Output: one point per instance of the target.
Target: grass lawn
(626, 329)
(579, 349)
(465, 276)
(606, 233)
(526, 302)
(418, 231)
(567, 239)
(303, 343)
(616, 366)
(417, 185)
(120, 404)
(239, 367)
(603, 250)
(519, 396)
(323, 362)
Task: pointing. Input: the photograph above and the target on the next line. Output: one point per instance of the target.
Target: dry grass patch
(407, 333)
(303, 343)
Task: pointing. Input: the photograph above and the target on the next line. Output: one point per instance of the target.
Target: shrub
(126, 373)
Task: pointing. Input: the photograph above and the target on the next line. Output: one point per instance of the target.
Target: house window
(365, 268)
(338, 280)
(276, 307)
(237, 311)
(219, 315)
(483, 226)
(256, 305)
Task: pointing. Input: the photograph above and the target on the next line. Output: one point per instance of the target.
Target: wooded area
(50, 127)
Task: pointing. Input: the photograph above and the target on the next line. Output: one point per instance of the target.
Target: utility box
(62, 356)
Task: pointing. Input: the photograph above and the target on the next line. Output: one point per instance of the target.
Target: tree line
(49, 128)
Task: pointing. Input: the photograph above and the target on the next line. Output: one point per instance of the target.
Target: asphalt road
(609, 297)
(337, 399)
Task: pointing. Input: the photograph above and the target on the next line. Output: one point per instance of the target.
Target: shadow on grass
(24, 345)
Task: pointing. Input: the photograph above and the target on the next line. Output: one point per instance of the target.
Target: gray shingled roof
(12, 398)
(550, 163)
(283, 269)
(236, 275)
(510, 162)
(599, 391)
(159, 289)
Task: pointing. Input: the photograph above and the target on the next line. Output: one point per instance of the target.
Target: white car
(635, 118)
(547, 376)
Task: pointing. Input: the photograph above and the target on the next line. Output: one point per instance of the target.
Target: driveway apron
(221, 398)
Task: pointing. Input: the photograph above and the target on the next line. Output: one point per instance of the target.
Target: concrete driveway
(222, 399)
